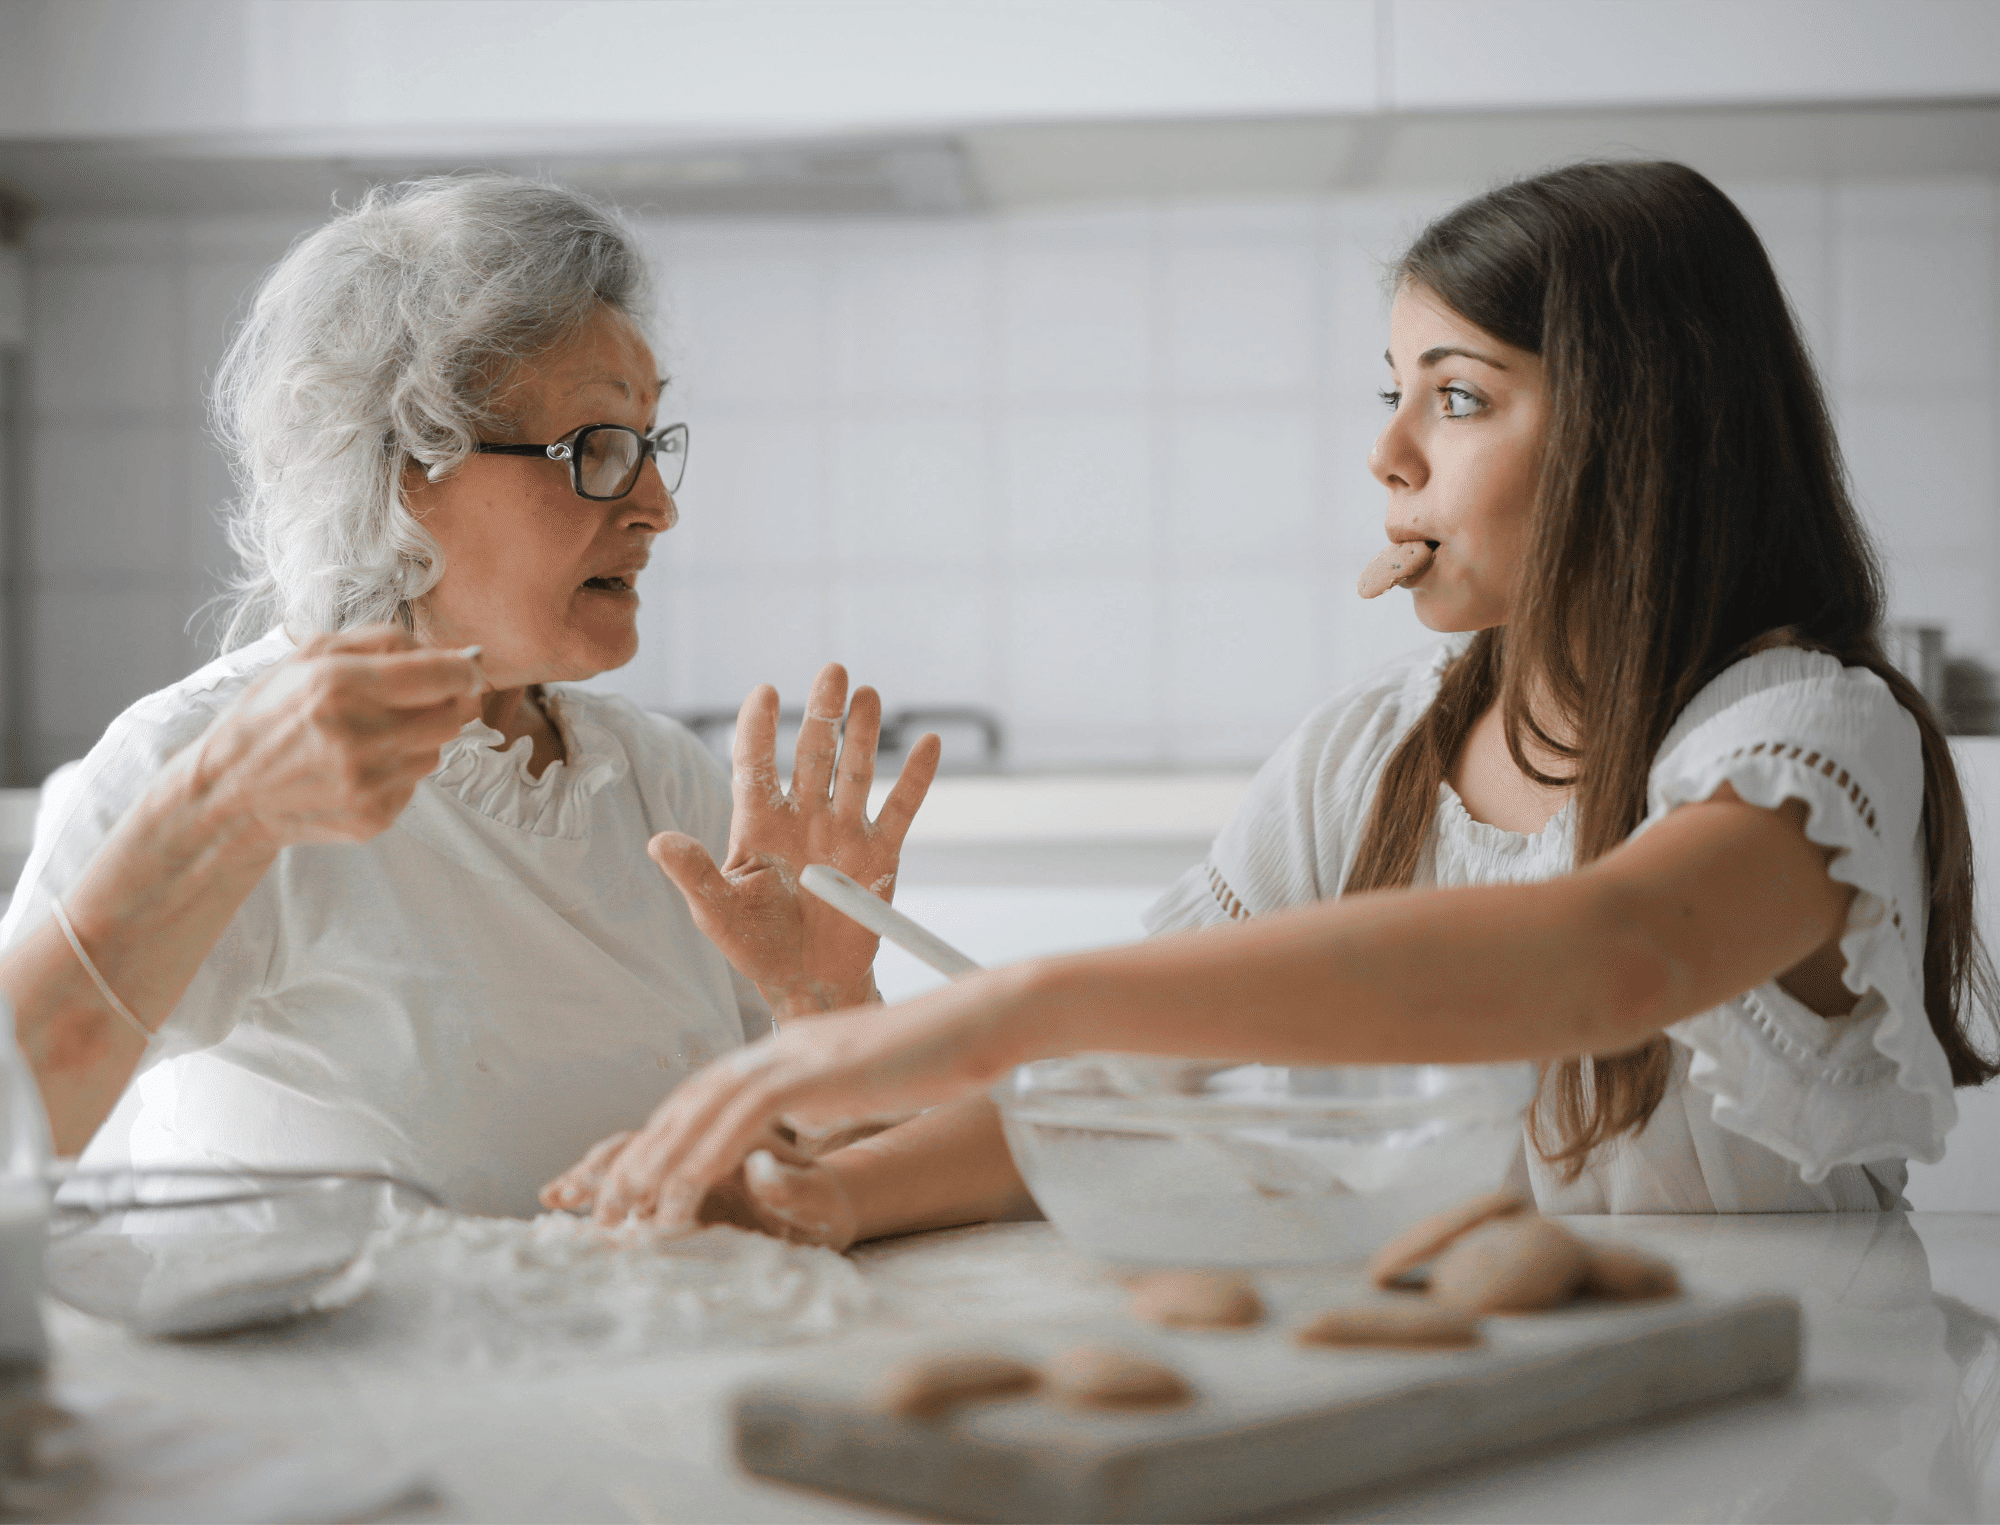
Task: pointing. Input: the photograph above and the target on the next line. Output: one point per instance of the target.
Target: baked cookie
(1518, 1264)
(1105, 1377)
(1623, 1274)
(1196, 1300)
(1426, 1240)
(1412, 1324)
(923, 1387)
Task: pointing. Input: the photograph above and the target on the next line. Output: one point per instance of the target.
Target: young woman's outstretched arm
(1716, 899)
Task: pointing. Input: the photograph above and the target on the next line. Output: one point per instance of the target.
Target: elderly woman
(372, 890)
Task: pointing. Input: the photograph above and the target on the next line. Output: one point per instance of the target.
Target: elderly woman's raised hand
(329, 745)
(805, 956)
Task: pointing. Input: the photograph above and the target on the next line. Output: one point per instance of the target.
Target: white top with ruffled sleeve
(469, 1000)
(1771, 1107)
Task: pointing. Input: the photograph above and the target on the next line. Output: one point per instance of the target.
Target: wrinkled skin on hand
(803, 954)
(330, 744)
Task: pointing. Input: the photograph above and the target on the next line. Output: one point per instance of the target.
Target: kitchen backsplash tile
(1101, 469)
(911, 491)
(913, 314)
(116, 348)
(1242, 652)
(1917, 300)
(734, 631)
(957, 657)
(215, 297)
(1242, 487)
(1081, 651)
(1239, 316)
(757, 490)
(116, 495)
(99, 647)
(1076, 486)
(748, 326)
(209, 489)
(1923, 473)
(1077, 318)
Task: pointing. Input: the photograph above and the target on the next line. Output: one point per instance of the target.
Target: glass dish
(1187, 1162)
(198, 1252)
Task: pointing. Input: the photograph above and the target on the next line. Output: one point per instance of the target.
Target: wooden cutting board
(1273, 1424)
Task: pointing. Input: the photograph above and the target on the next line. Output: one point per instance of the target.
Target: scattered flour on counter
(494, 1291)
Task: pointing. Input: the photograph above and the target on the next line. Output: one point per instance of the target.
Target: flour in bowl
(506, 1290)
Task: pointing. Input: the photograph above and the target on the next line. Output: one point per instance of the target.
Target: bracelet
(62, 920)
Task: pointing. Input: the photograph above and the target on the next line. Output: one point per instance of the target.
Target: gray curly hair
(380, 340)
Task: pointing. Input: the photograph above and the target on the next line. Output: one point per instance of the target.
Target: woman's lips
(1403, 562)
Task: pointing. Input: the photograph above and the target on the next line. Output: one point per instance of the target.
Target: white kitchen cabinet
(345, 76)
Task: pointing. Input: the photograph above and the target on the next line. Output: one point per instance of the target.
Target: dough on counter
(1394, 564)
(1623, 1274)
(1518, 1264)
(1196, 1300)
(1415, 1323)
(1104, 1377)
(1425, 1241)
(923, 1387)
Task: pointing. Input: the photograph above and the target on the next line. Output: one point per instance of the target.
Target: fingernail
(762, 1169)
(470, 652)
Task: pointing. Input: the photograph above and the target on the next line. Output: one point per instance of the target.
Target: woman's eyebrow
(620, 383)
(1433, 355)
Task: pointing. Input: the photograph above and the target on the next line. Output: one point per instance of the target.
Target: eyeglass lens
(608, 461)
(672, 456)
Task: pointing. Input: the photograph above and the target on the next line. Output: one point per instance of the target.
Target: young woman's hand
(803, 954)
(778, 1190)
(329, 745)
(813, 1076)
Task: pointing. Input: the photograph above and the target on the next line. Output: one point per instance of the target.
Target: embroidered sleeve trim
(1826, 766)
(1864, 809)
(1225, 897)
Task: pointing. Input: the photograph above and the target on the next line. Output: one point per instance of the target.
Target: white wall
(125, 320)
(1098, 469)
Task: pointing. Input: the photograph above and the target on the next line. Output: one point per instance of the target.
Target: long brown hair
(1692, 501)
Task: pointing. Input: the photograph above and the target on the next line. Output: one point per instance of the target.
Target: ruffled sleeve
(1294, 837)
(1874, 1084)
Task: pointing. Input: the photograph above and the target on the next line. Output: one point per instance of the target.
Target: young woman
(1659, 814)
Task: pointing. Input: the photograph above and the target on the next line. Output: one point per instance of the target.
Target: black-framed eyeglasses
(605, 459)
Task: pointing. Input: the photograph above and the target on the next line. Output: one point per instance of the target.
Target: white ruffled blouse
(469, 1000)
(1771, 1107)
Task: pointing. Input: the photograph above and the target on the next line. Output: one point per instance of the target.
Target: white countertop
(1896, 1415)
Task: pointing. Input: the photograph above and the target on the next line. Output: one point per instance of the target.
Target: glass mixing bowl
(1187, 1162)
(195, 1251)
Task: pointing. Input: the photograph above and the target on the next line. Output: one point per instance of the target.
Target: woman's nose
(1395, 460)
(649, 505)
